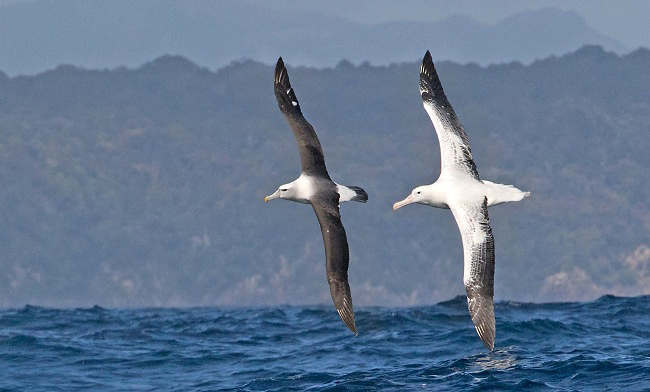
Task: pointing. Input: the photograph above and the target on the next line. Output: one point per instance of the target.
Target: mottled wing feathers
(478, 250)
(455, 152)
(481, 309)
(311, 152)
(336, 255)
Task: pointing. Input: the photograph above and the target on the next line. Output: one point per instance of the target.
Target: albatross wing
(478, 250)
(455, 152)
(337, 255)
(311, 152)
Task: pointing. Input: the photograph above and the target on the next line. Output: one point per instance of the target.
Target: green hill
(138, 187)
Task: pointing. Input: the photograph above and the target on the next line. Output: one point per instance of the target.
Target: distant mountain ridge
(38, 35)
(144, 187)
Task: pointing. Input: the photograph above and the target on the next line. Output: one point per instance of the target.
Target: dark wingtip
(481, 309)
(427, 68)
(347, 315)
(485, 329)
(487, 338)
(430, 86)
(342, 298)
(284, 93)
(280, 71)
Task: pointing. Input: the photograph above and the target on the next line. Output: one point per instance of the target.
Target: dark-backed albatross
(460, 189)
(315, 187)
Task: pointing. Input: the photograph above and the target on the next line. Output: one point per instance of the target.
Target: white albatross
(460, 189)
(315, 187)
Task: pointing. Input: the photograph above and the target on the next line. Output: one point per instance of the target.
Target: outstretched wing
(336, 255)
(455, 152)
(478, 250)
(311, 152)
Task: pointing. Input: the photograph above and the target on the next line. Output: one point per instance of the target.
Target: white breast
(305, 188)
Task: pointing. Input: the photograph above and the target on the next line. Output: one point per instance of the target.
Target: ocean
(602, 345)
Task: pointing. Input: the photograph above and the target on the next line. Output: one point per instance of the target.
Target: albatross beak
(273, 196)
(404, 202)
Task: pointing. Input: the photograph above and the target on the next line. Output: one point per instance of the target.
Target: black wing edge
(430, 86)
(342, 298)
(284, 93)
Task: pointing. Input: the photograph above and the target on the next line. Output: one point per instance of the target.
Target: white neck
(303, 188)
(433, 195)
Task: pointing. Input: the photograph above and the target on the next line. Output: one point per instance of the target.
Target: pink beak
(404, 202)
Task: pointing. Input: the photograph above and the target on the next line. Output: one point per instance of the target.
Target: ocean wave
(598, 345)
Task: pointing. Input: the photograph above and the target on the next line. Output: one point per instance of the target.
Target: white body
(463, 195)
(304, 187)
(450, 189)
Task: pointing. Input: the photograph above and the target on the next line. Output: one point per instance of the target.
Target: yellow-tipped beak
(273, 196)
(404, 202)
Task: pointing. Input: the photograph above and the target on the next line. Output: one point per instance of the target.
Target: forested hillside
(138, 187)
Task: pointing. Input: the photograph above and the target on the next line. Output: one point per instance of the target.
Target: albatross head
(284, 192)
(416, 196)
(425, 194)
(299, 190)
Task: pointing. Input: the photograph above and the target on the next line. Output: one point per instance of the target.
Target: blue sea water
(602, 345)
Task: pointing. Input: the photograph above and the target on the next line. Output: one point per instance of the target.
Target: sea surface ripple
(597, 346)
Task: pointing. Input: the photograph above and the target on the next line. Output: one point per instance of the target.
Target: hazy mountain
(145, 186)
(39, 35)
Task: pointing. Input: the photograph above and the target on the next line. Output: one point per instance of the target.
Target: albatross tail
(351, 193)
(500, 193)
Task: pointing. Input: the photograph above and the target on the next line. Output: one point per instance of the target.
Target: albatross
(315, 187)
(460, 189)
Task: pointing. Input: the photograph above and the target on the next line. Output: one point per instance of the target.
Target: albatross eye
(418, 192)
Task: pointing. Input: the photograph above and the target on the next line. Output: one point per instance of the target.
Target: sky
(108, 34)
(625, 21)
